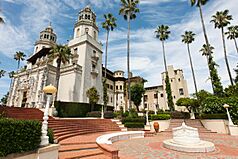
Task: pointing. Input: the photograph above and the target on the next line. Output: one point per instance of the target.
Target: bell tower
(47, 39)
(86, 24)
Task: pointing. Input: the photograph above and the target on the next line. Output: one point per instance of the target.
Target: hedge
(213, 116)
(180, 115)
(128, 119)
(97, 114)
(74, 109)
(160, 117)
(134, 125)
(19, 136)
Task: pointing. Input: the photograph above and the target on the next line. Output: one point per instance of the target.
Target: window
(171, 80)
(120, 87)
(47, 36)
(94, 35)
(41, 36)
(44, 35)
(111, 86)
(111, 99)
(86, 30)
(89, 17)
(179, 79)
(93, 66)
(116, 87)
(145, 105)
(161, 95)
(181, 91)
(145, 98)
(86, 16)
(174, 97)
(156, 96)
(75, 50)
(108, 86)
(78, 32)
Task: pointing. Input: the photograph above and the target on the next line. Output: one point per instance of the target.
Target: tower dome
(86, 23)
(47, 39)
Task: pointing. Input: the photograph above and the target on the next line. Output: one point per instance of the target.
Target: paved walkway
(152, 148)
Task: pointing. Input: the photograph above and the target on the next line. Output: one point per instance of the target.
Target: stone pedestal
(187, 139)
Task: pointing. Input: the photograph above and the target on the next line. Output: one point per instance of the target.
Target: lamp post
(226, 106)
(48, 90)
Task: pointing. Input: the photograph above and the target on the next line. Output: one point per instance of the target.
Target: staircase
(195, 123)
(119, 123)
(81, 133)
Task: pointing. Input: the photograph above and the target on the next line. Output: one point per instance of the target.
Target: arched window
(94, 35)
(44, 35)
(89, 17)
(86, 16)
(78, 32)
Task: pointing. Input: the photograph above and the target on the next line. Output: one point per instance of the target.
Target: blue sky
(26, 18)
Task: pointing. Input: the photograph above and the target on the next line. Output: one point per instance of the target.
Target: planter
(233, 130)
(163, 125)
(156, 126)
(216, 125)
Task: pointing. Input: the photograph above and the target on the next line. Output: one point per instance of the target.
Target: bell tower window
(78, 32)
(89, 17)
(86, 16)
(94, 35)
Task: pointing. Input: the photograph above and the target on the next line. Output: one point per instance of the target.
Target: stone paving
(152, 148)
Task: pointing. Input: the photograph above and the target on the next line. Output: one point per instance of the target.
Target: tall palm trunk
(165, 64)
(57, 77)
(18, 64)
(225, 54)
(206, 40)
(236, 45)
(191, 64)
(128, 60)
(105, 73)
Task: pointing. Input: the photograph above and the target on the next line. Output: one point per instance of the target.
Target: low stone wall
(48, 152)
(106, 140)
(216, 125)
(163, 125)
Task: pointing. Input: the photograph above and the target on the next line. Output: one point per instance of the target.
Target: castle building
(76, 77)
(83, 72)
(155, 97)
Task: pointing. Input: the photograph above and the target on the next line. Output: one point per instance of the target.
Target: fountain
(187, 139)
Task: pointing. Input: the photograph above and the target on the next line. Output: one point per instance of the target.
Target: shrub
(97, 114)
(213, 116)
(180, 115)
(128, 119)
(50, 133)
(160, 117)
(19, 135)
(212, 105)
(134, 125)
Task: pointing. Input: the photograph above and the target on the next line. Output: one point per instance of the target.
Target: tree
(221, 19)
(4, 99)
(188, 38)
(93, 96)
(62, 54)
(217, 86)
(189, 103)
(108, 24)
(232, 34)
(2, 73)
(162, 32)
(19, 56)
(236, 70)
(128, 10)
(137, 91)
(199, 4)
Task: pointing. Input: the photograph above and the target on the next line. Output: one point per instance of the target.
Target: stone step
(64, 148)
(80, 154)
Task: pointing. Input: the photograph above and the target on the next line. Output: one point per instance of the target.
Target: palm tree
(207, 50)
(108, 24)
(199, 4)
(162, 32)
(1, 20)
(188, 38)
(2, 72)
(221, 19)
(128, 9)
(232, 34)
(62, 54)
(19, 56)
